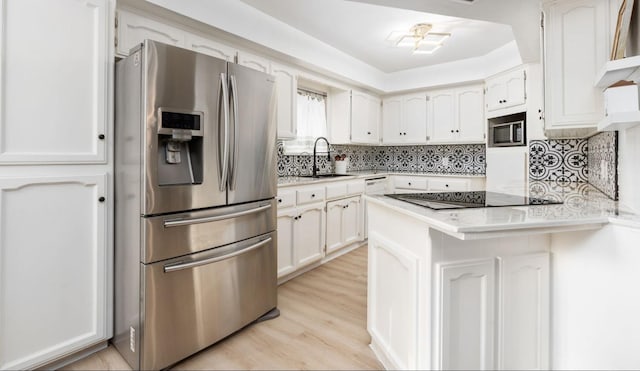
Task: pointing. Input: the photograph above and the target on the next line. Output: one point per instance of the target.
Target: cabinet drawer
(410, 183)
(336, 190)
(355, 186)
(452, 185)
(310, 195)
(286, 199)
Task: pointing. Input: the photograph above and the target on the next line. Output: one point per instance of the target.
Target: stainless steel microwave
(507, 134)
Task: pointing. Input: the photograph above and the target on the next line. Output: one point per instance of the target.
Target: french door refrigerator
(195, 218)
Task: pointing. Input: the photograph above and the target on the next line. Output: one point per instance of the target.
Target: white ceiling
(360, 29)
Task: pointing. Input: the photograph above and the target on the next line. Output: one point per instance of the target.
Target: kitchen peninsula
(472, 288)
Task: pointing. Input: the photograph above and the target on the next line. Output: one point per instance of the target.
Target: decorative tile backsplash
(447, 159)
(603, 162)
(561, 160)
(577, 161)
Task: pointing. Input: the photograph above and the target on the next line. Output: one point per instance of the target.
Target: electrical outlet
(132, 339)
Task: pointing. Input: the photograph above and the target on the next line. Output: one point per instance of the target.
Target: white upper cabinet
(132, 29)
(405, 119)
(469, 112)
(576, 47)
(206, 46)
(365, 118)
(253, 61)
(442, 121)
(456, 115)
(506, 90)
(286, 92)
(54, 104)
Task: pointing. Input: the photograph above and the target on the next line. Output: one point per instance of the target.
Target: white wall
(596, 299)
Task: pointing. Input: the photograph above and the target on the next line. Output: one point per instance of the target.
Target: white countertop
(583, 207)
(297, 180)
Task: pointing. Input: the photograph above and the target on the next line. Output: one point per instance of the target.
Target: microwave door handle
(511, 130)
(234, 158)
(223, 150)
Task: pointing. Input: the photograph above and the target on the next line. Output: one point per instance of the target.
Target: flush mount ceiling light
(420, 38)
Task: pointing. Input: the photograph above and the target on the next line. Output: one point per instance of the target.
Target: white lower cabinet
(54, 292)
(473, 330)
(300, 237)
(467, 296)
(344, 223)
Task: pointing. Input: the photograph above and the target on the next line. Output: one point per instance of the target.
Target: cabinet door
(373, 133)
(524, 313)
(351, 221)
(254, 61)
(210, 47)
(394, 304)
(54, 292)
(360, 111)
(414, 120)
(470, 114)
(286, 253)
(496, 93)
(576, 47)
(55, 70)
(442, 116)
(392, 120)
(287, 94)
(515, 89)
(309, 234)
(466, 315)
(133, 29)
(334, 225)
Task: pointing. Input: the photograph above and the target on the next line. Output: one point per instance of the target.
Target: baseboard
(381, 355)
(63, 361)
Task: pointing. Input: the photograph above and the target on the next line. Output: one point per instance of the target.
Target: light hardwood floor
(322, 326)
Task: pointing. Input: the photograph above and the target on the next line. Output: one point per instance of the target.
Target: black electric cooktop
(463, 200)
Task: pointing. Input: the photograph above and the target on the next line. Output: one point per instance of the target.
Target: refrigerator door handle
(208, 219)
(180, 266)
(234, 158)
(223, 150)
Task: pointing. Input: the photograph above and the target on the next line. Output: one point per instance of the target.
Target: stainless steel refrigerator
(195, 218)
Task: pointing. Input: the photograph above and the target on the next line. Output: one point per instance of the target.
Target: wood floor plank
(322, 326)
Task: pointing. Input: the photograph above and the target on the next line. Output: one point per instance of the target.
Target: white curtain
(312, 116)
(311, 123)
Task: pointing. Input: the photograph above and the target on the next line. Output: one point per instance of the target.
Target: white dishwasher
(374, 186)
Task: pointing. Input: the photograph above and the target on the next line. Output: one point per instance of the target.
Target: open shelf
(621, 69)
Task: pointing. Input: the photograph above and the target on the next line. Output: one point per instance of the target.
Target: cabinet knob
(452, 131)
(368, 133)
(101, 136)
(299, 216)
(313, 195)
(279, 200)
(101, 199)
(446, 185)
(457, 131)
(409, 183)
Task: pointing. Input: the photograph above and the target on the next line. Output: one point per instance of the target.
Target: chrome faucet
(314, 172)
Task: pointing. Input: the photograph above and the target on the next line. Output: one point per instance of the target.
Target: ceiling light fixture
(420, 38)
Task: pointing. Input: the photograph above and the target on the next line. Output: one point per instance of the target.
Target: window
(311, 122)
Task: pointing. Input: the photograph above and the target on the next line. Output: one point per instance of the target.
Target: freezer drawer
(193, 301)
(172, 235)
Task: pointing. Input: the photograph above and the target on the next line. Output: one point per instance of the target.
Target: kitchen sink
(324, 176)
